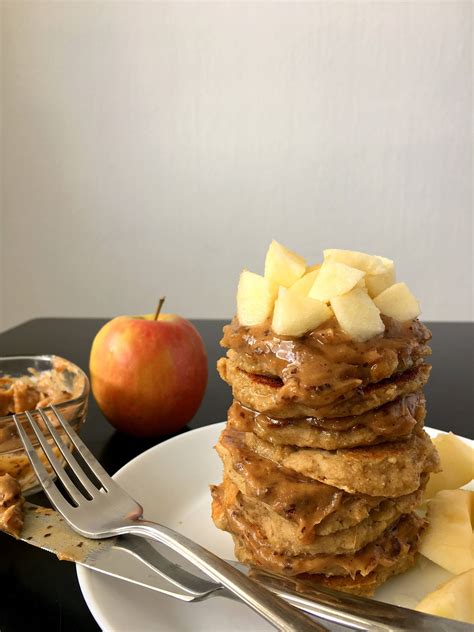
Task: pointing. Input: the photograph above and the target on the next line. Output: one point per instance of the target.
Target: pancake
(363, 586)
(271, 396)
(314, 509)
(391, 422)
(252, 547)
(389, 470)
(326, 364)
(282, 535)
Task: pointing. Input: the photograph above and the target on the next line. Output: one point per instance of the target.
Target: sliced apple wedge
(448, 537)
(303, 285)
(372, 264)
(312, 268)
(283, 266)
(334, 279)
(454, 599)
(255, 298)
(457, 464)
(357, 314)
(398, 302)
(295, 315)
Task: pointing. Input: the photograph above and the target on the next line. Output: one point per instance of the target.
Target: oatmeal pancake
(391, 422)
(270, 396)
(389, 469)
(283, 536)
(326, 364)
(252, 547)
(313, 508)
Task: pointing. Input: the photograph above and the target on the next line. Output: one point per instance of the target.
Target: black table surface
(40, 592)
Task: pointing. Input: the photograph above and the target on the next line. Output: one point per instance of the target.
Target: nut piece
(357, 315)
(255, 298)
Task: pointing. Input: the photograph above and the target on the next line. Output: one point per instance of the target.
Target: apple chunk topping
(295, 315)
(334, 279)
(255, 298)
(371, 264)
(303, 285)
(398, 302)
(357, 314)
(358, 287)
(377, 283)
(283, 266)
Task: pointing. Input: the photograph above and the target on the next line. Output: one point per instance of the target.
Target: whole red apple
(148, 373)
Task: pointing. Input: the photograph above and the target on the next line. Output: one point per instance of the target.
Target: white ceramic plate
(171, 480)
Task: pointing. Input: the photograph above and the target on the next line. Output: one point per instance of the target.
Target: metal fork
(110, 511)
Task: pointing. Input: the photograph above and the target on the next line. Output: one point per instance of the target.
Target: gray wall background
(157, 147)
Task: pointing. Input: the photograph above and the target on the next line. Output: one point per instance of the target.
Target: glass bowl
(29, 382)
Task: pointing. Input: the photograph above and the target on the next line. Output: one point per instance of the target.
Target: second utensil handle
(272, 608)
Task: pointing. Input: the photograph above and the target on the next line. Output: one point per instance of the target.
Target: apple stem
(160, 305)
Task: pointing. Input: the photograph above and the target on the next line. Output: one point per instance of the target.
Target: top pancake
(326, 365)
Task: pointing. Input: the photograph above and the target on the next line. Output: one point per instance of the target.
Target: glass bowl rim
(50, 357)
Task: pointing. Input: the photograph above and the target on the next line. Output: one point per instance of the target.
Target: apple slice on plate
(448, 537)
(453, 599)
(457, 464)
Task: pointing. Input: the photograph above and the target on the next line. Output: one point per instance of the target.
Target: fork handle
(272, 608)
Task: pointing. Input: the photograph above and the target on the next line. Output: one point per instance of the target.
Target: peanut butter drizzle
(395, 418)
(285, 492)
(327, 361)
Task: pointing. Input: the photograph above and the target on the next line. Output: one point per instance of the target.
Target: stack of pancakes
(325, 457)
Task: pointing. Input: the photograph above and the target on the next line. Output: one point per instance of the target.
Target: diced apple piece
(398, 302)
(357, 315)
(377, 283)
(448, 537)
(457, 463)
(372, 264)
(283, 266)
(303, 285)
(255, 298)
(454, 599)
(294, 315)
(334, 279)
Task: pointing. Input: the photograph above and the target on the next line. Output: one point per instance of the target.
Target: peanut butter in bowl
(29, 383)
